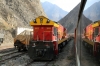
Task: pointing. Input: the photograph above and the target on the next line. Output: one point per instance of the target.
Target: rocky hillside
(14, 13)
(70, 20)
(93, 12)
(53, 12)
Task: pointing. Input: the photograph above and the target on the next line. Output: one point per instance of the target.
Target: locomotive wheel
(91, 49)
(85, 44)
(59, 48)
(19, 49)
(64, 44)
(24, 49)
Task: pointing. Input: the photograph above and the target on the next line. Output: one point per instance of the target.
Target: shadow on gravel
(67, 56)
(86, 58)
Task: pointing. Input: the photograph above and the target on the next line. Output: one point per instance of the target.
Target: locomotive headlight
(34, 21)
(48, 21)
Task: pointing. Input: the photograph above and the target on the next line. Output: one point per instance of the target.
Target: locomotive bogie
(41, 50)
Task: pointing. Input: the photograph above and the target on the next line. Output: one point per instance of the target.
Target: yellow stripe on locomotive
(96, 24)
(41, 20)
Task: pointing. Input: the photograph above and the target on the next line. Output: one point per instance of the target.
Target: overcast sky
(68, 5)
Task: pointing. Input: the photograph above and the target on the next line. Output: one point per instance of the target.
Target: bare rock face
(93, 12)
(16, 13)
(53, 12)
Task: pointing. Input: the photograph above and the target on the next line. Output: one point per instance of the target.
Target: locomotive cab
(96, 32)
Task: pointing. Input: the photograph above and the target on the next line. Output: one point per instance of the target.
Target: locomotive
(91, 38)
(47, 40)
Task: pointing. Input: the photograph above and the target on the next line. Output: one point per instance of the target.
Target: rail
(6, 56)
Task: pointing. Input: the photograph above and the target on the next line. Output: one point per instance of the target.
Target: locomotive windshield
(96, 32)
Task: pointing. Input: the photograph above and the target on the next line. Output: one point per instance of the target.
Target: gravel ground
(67, 56)
(18, 61)
(86, 58)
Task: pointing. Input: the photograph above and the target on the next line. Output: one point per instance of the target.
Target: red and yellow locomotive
(47, 40)
(91, 38)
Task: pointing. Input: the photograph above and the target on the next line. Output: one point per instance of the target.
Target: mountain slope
(53, 11)
(93, 12)
(70, 20)
(18, 13)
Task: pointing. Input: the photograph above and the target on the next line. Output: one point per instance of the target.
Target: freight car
(21, 41)
(48, 39)
(91, 38)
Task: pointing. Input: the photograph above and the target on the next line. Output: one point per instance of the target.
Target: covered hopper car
(48, 39)
(21, 41)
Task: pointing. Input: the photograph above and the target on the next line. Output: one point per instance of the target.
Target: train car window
(96, 31)
(55, 31)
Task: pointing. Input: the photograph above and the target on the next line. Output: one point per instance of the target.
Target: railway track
(33, 63)
(10, 55)
(40, 63)
(5, 54)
